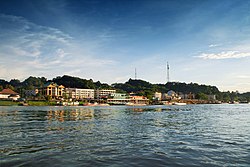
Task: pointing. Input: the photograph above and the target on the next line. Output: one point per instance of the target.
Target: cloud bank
(225, 55)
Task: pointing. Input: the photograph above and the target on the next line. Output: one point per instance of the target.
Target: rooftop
(8, 91)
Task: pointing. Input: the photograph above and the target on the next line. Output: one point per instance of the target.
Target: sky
(204, 41)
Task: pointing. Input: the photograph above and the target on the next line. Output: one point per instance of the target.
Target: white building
(76, 93)
(157, 96)
(9, 94)
(103, 93)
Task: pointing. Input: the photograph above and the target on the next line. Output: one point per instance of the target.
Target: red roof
(8, 91)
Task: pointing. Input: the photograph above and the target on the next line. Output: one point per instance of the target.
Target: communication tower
(168, 72)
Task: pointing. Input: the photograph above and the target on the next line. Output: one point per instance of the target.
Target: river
(191, 135)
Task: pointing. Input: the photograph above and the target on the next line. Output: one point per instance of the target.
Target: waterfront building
(157, 96)
(77, 93)
(52, 89)
(103, 93)
(118, 98)
(9, 94)
(139, 100)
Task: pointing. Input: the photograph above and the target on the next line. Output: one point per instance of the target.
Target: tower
(167, 72)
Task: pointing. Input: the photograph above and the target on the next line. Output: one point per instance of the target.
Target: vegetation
(8, 103)
(41, 103)
(201, 96)
(147, 89)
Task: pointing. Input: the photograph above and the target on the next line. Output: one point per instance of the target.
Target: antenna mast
(168, 72)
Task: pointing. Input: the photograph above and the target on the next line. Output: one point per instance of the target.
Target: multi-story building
(52, 89)
(76, 93)
(103, 93)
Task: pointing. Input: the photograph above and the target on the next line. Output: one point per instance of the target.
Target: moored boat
(135, 104)
(179, 104)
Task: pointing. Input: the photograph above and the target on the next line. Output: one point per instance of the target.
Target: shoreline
(9, 104)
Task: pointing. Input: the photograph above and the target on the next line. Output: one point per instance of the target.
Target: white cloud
(213, 45)
(225, 55)
(243, 76)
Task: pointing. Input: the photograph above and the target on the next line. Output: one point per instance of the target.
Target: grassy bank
(8, 103)
(30, 103)
(41, 103)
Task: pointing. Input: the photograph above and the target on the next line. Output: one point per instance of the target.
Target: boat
(134, 104)
(179, 104)
(96, 104)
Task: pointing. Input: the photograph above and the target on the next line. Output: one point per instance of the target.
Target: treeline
(138, 87)
(147, 89)
(38, 82)
(144, 88)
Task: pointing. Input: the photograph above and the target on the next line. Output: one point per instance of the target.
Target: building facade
(157, 96)
(103, 93)
(118, 99)
(139, 100)
(77, 93)
(53, 90)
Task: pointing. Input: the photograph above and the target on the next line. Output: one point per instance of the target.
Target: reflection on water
(72, 115)
(193, 135)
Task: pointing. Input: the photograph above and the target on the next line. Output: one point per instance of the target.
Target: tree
(32, 82)
(201, 96)
(9, 87)
(48, 98)
(15, 82)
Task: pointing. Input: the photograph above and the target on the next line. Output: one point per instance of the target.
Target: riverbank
(55, 103)
(28, 103)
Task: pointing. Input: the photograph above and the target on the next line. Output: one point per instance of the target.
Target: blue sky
(207, 42)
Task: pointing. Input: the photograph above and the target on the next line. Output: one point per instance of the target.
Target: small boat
(96, 104)
(134, 104)
(179, 104)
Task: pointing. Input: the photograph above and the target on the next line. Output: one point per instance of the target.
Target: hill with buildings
(137, 86)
